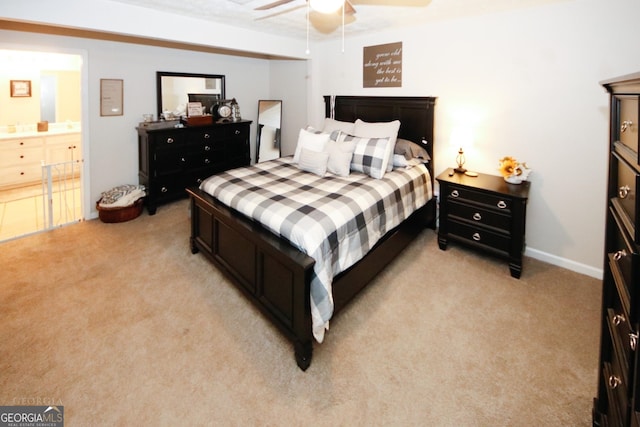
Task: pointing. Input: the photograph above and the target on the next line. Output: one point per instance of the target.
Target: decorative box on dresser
(171, 159)
(618, 395)
(486, 213)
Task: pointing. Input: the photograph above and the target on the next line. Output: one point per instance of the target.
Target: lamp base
(460, 169)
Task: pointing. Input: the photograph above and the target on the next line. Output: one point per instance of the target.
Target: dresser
(171, 159)
(485, 213)
(618, 394)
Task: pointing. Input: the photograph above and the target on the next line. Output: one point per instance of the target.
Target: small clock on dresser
(486, 213)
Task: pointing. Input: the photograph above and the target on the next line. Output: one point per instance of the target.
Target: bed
(276, 274)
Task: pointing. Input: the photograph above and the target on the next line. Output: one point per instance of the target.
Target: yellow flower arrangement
(512, 170)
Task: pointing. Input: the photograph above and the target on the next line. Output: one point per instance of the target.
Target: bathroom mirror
(174, 90)
(269, 124)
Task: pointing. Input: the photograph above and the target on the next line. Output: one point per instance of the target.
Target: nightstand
(485, 213)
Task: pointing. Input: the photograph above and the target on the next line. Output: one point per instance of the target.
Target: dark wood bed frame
(276, 276)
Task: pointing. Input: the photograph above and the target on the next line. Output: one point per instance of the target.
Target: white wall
(527, 81)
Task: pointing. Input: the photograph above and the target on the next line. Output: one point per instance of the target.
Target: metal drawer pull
(619, 255)
(614, 382)
(164, 189)
(207, 136)
(617, 319)
(477, 216)
(237, 132)
(633, 340)
(476, 237)
(501, 204)
(199, 180)
(169, 140)
(183, 160)
(207, 161)
(623, 191)
(207, 148)
(625, 125)
(455, 193)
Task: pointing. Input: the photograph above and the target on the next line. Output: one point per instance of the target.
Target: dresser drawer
(624, 191)
(480, 215)
(168, 162)
(627, 126)
(490, 200)
(168, 140)
(616, 401)
(168, 188)
(479, 235)
(622, 336)
(623, 260)
(618, 379)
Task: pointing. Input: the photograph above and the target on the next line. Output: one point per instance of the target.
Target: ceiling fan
(327, 15)
(317, 5)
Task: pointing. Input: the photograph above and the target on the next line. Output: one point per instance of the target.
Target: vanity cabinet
(22, 157)
(617, 402)
(63, 148)
(171, 159)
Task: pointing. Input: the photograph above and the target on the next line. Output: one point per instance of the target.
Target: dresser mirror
(269, 124)
(174, 90)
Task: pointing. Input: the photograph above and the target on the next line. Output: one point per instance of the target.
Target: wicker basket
(123, 214)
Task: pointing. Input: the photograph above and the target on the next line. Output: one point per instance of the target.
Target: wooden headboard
(415, 115)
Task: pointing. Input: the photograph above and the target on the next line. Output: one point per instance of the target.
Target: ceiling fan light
(326, 6)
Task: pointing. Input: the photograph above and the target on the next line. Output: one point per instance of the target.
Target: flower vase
(513, 179)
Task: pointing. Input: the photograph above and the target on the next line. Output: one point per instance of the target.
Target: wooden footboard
(274, 275)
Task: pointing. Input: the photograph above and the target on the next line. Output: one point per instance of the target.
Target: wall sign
(382, 65)
(111, 97)
(20, 88)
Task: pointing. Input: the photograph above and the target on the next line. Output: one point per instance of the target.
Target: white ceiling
(290, 20)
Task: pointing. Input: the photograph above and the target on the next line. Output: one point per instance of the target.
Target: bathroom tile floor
(22, 210)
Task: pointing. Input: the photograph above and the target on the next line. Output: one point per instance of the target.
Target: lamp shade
(326, 6)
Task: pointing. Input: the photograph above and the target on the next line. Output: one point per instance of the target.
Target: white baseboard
(596, 273)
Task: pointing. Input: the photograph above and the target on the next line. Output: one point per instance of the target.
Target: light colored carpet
(122, 325)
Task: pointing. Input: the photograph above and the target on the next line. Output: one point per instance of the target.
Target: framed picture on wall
(111, 97)
(20, 88)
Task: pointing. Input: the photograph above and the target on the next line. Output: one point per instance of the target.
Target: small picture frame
(111, 93)
(20, 88)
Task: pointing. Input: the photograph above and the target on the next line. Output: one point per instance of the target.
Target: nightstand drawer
(493, 200)
(476, 214)
(479, 235)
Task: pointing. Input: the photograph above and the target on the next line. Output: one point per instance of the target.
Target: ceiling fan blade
(348, 8)
(282, 12)
(404, 3)
(326, 23)
(274, 4)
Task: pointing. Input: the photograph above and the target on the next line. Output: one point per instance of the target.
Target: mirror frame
(161, 74)
(278, 130)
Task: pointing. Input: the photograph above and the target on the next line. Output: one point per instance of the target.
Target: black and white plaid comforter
(335, 220)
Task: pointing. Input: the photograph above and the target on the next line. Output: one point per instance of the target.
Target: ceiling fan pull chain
(343, 7)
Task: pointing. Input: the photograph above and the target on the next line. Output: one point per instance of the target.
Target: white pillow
(340, 154)
(331, 124)
(311, 141)
(313, 161)
(400, 161)
(379, 130)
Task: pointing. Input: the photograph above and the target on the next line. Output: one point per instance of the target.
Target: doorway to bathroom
(41, 158)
